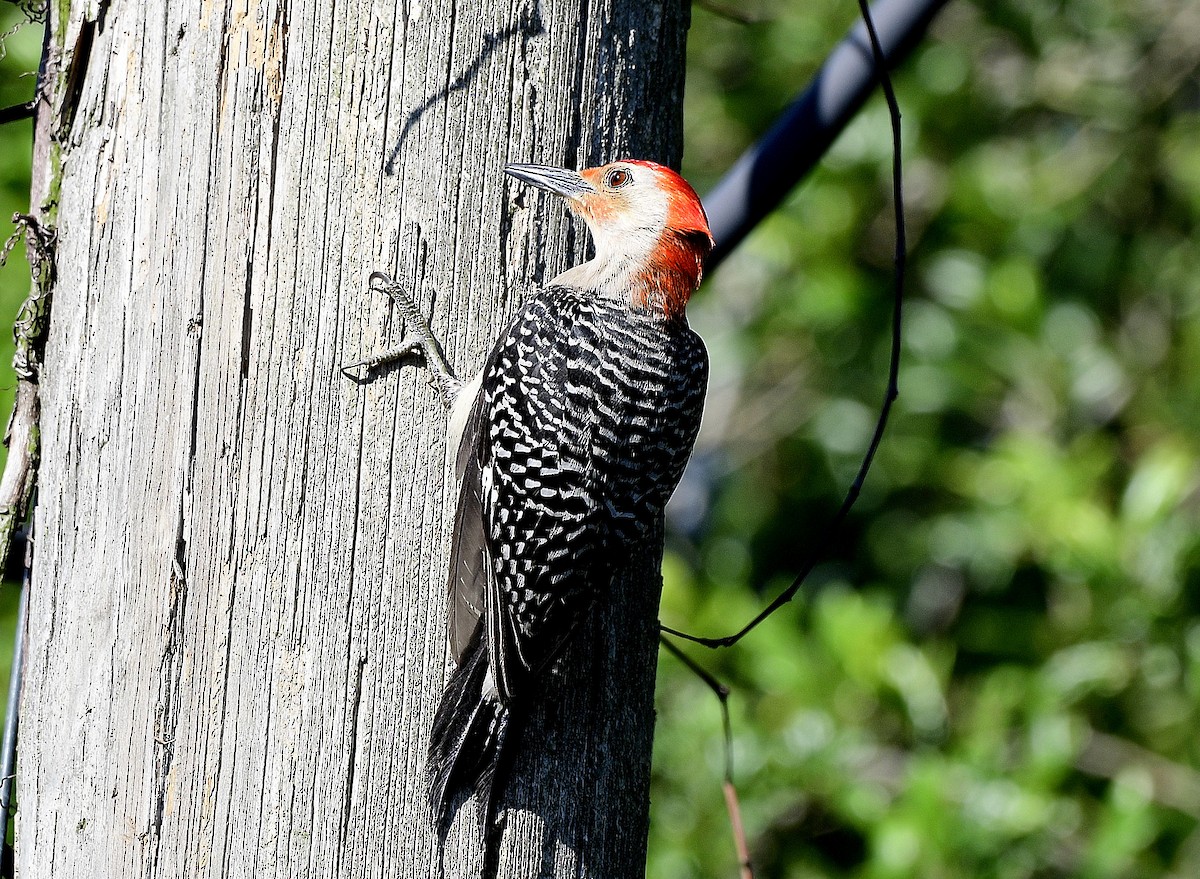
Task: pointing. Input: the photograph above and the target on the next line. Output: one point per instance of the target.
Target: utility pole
(236, 622)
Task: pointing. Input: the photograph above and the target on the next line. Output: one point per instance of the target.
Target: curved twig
(732, 804)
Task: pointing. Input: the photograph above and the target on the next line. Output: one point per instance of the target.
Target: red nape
(673, 271)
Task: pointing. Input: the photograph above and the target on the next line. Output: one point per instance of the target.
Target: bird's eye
(617, 178)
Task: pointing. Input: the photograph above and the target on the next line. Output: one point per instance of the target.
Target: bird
(569, 442)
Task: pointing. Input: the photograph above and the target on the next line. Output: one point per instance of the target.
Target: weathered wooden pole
(236, 627)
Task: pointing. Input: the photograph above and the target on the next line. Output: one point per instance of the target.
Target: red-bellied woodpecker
(573, 437)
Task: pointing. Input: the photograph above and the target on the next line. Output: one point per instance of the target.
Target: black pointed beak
(560, 181)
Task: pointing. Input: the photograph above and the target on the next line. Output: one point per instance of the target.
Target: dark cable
(768, 170)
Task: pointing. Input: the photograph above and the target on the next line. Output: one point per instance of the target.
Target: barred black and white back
(584, 418)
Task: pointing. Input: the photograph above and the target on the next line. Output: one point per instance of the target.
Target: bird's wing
(469, 569)
(540, 490)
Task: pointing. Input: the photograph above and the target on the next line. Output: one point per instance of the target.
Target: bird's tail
(467, 741)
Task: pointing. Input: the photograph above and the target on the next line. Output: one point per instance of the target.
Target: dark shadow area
(529, 25)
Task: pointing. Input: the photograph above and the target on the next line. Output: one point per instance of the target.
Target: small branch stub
(29, 333)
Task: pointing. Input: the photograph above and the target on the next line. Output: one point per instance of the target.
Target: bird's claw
(385, 283)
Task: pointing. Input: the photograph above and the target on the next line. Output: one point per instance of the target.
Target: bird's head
(648, 225)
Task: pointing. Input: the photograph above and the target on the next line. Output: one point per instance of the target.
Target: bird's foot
(420, 342)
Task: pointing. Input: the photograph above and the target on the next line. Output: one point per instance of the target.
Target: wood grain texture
(237, 622)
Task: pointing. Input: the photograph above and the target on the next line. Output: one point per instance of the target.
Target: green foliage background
(995, 672)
